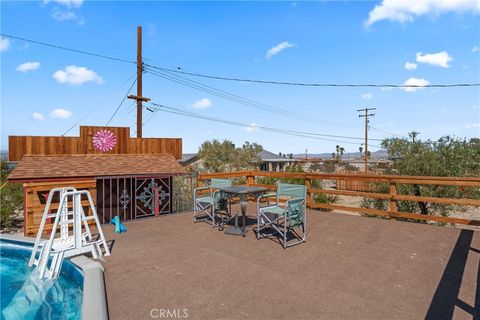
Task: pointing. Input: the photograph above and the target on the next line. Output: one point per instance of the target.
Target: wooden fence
(354, 185)
(392, 197)
(43, 145)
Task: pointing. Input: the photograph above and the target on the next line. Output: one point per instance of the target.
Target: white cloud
(472, 125)
(475, 49)
(67, 3)
(367, 96)
(251, 128)
(410, 65)
(28, 66)
(202, 104)
(38, 116)
(440, 59)
(415, 82)
(77, 75)
(407, 10)
(278, 48)
(4, 44)
(60, 114)
(61, 15)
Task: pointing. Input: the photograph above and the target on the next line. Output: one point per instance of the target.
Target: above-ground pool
(25, 296)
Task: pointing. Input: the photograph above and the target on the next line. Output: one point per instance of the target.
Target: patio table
(242, 192)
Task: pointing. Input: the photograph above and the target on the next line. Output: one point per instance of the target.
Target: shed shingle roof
(33, 167)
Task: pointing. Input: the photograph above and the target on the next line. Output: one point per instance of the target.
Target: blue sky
(44, 91)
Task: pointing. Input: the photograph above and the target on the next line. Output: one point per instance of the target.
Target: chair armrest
(195, 191)
(267, 195)
(293, 201)
(264, 196)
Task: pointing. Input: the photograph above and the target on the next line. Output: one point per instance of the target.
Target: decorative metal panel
(133, 197)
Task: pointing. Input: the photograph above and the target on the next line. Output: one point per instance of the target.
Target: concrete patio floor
(349, 268)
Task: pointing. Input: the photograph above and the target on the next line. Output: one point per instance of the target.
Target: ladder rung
(66, 221)
(52, 251)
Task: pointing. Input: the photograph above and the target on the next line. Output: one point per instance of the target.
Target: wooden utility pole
(139, 96)
(366, 115)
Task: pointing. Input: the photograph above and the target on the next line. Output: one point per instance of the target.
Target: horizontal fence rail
(393, 181)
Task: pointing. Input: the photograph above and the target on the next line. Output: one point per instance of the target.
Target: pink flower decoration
(104, 140)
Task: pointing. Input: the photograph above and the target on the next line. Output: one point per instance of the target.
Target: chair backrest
(220, 183)
(296, 209)
(291, 190)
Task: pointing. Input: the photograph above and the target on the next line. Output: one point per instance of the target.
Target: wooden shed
(132, 178)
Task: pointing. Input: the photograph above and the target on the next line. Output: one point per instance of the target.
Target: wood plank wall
(35, 201)
(42, 145)
(355, 185)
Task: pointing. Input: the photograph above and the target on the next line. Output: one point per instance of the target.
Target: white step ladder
(48, 255)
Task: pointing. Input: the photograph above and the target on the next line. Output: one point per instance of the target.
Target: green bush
(11, 200)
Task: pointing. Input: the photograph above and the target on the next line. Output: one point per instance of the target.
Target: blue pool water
(24, 296)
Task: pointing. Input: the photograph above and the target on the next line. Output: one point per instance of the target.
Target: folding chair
(284, 218)
(207, 205)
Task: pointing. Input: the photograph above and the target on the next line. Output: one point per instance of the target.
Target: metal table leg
(243, 209)
(236, 230)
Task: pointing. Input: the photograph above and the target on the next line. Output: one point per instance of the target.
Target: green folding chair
(284, 218)
(207, 205)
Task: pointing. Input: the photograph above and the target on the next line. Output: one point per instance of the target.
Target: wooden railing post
(308, 184)
(393, 202)
(250, 178)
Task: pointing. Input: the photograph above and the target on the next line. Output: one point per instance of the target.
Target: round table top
(243, 189)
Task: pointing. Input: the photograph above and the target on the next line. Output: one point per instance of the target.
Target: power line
(118, 108)
(235, 98)
(387, 132)
(292, 131)
(67, 49)
(316, 136)
(454, 85)
(98, 105)
(315, 84)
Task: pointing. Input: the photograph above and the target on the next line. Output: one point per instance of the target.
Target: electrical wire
(238, 99)
(452, 85)
(316, 136)
(98, 105)
(349, 85)
(118, 108)
(387, 132)
(67, 49)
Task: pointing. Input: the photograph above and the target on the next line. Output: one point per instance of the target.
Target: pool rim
(94, 300)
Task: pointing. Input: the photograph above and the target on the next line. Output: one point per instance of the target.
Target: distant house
(359, 164)
(188, 159)
(269, 161)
